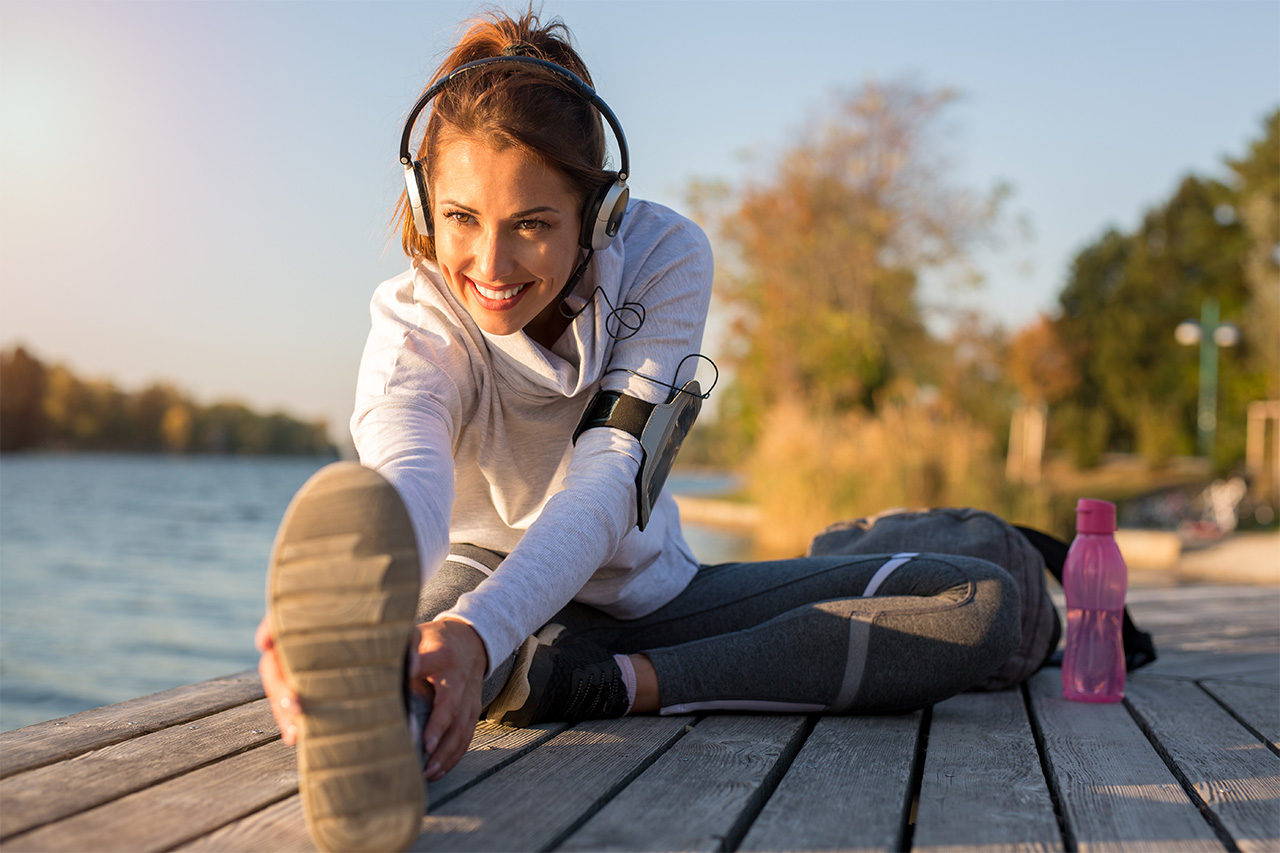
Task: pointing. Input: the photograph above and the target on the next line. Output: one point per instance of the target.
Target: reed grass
(807, 470)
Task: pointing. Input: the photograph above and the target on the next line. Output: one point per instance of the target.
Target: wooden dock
(1190, 761)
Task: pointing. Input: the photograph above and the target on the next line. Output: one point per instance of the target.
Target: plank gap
(605, 796)
(911, 805)
(1201, 806)
(516, 753)
(1239, 719)
(767, 786)
(1046, 767)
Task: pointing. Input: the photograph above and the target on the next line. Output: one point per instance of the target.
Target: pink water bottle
(1094, 580)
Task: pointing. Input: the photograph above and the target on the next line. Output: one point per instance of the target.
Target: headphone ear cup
(416, 188)
(604, 216)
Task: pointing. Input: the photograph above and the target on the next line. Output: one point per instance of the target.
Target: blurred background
(982, 253)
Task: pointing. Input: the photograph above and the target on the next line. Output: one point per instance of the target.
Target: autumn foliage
(843, 400)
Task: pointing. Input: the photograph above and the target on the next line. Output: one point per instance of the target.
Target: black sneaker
(560, 678)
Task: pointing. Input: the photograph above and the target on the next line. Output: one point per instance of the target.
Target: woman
(536, 293)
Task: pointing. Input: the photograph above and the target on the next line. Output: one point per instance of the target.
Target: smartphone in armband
(659, 427)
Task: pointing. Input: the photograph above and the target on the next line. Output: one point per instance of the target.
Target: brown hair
(512, 105)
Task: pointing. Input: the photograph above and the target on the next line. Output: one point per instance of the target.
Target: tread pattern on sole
(342, 594)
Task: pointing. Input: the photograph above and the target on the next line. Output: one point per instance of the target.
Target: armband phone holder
(659, 427)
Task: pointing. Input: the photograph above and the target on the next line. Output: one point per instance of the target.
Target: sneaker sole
(342, 593)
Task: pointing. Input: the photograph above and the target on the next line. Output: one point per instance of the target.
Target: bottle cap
(1095, 516)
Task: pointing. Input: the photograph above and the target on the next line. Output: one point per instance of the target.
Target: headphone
(602, 216)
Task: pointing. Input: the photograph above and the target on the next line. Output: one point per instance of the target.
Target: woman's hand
(284, 703)
(452, 659)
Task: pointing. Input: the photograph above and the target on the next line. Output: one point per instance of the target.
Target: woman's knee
(930, 654)
(985, 590)
(990, 621)
(463, 571)
(1001, 600)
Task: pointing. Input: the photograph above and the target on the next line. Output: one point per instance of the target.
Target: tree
(149, 409)
(22, 388)
(1039, 364)
(1256, 202)
(52, 407)
(175, 427)
(825, 252)
(1127, 292)
(842, 399)
(1087, 424)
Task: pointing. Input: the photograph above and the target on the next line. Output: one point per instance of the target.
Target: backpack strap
(1139, 649)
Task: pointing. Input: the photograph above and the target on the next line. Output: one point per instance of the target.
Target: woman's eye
(531, 225)
(458, 216)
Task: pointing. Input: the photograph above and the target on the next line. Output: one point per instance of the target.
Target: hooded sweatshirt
(475, 430)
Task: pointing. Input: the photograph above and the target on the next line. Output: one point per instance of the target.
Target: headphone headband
(587, 93)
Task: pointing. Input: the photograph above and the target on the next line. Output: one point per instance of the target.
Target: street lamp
(1210, 334)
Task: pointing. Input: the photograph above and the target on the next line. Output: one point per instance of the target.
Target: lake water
(122, 575)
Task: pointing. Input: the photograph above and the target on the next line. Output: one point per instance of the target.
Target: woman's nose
(493, 258)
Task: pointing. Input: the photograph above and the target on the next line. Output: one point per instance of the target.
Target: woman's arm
(408, 404)
(668, 270)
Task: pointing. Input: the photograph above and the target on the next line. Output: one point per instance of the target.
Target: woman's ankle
(647, 699)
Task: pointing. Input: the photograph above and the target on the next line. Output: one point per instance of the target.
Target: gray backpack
(972, 533)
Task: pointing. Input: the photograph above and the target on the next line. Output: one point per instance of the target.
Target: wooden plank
(1114, 791)
(1258, 707)
(848, 788)
(44, 743)
(1191, 612)
(983, 786)
(279, 828)
(1206, 617)
(1235, 620)
(1187, 597)
(1208, 631)
(1268, 677)
(175, 811)
(492, 748)
(1231, 771)
(282, 826)
(54, 791)
(539, 799)
(702, 793)
(1196, 665)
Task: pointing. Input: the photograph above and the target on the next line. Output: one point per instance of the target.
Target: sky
(199, 192)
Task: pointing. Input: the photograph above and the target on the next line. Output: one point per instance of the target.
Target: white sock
(628, 678)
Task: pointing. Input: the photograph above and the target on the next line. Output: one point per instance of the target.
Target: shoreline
(1154, 557)
(718, 513)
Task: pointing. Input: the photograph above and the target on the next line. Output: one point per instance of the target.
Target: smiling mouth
(499, 295)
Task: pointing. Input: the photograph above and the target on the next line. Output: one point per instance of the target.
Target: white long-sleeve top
(475, 431)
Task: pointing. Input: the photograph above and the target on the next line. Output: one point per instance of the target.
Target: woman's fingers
(452, 745)
(453, 725)
(262, 639)
(452, 748)
(452, 659)
(283, 701)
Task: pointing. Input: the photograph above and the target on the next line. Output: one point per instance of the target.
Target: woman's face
(506, 229)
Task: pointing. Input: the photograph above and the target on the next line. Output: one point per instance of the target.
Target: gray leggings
(852, 634)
